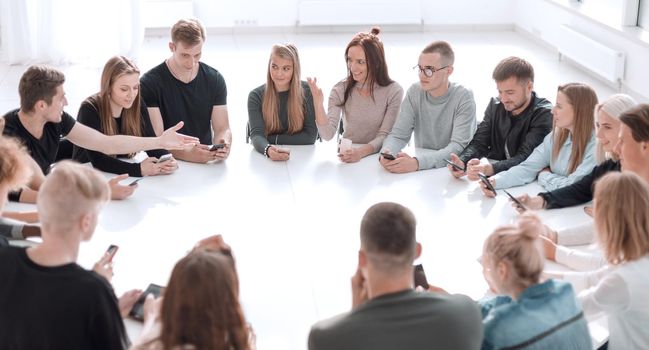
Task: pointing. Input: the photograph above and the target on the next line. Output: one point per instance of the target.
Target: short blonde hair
(614, 106)
(70, 191)
(188, 31)
(14, 162)
(622, 216)
(516, 245)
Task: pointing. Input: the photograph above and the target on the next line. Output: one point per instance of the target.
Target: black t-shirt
(63, 307)
(89, 116)
(43, 150)
(192, 102)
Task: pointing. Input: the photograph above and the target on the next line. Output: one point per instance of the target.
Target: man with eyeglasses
(514, 123)
(440, 113)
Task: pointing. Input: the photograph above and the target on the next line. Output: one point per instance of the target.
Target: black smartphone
(420, 277)
(486, 181)
(216, 146)
(137, 312)
(388, 156)
(455, 166)
(112, 249)
(515, 200)
(135, 182)
(164, 158)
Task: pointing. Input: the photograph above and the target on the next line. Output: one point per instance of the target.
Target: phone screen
(420, 277)
(388, 156)
(486, 181)
(455, 166)
(112, 249)
(134, 182)
(216, 146)
(518, 203)
(137, 312)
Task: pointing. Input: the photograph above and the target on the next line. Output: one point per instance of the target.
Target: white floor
(294, 226)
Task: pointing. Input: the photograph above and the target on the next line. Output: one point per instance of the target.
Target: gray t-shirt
(403, 320)
(442, 125)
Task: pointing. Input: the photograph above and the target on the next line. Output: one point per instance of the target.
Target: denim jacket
(546, 316)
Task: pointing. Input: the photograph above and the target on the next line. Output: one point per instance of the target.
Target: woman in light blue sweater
(568, 153)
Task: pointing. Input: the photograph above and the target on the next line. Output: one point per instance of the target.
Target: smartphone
(112, 249)
(216, 146)
(283, 150)
(515, 200)
(388, 156)
(344, 145)
(420, 277)
(135, 182)
(137, 312)
(164, 158)
(486, 181)
(455, 166)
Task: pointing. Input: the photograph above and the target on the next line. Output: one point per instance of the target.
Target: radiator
(602, 60)
(357, 12)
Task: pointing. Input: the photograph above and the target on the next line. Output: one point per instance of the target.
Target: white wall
(544, 19)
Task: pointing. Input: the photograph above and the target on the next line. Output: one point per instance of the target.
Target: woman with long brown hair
(118, 109)
(281, 111)
(568, 153)
(205, 315)
(367, 99)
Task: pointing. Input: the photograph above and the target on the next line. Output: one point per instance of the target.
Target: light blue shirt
(545, 316)
(541, 157)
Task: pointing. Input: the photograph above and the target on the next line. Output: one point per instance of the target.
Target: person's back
(55, 307)
(403, 320)
(546, 316)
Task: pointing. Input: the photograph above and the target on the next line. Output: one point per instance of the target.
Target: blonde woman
(281, 111)
(568, 153)
(527, 312)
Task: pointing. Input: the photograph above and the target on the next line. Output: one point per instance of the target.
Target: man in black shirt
(513, 125)
(47, 300)
(41, 122)
(183, 89)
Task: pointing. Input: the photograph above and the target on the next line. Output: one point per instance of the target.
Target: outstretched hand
(171, 139)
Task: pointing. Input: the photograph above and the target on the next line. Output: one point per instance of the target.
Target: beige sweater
(365, 121)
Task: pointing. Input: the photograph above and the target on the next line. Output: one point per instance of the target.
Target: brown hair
(188, 31)
(270, 103)
(206, 315)
(38, 83)
(14, 162)
(583, 100)
(116, 67)
(2, 125)
(614, 106)
(514, 67)
(622, 216)
(443, 49)
(377, 68)
(388, 235)
(516, 245)
(70, 191)
(637, 119)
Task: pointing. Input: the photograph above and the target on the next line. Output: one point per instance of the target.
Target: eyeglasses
(428, 70)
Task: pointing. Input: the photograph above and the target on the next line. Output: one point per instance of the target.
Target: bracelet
(266, 151)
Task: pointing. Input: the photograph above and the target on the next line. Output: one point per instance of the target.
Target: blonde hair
(70, 191)
(14, 163)
(188, 31)
(614, 106)
(516, 245)
(583, 99)
(295, 103)
(622, 216)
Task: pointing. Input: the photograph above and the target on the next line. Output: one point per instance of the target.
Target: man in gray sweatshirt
(441, 114)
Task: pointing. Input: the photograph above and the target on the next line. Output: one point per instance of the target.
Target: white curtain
(66, 31)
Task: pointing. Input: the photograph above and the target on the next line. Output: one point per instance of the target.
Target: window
(643, 14)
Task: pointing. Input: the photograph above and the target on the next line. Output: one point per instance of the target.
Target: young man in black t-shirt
(183, 89)
(47, 300)
(41, 122)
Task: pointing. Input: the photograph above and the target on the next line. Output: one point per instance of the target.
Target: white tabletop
(294, 229)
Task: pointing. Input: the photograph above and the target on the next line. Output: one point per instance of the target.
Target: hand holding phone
(283, 150)
(137, 312)
(420, 277)
(387, 156)
(515, 200)
(164, 158)
(111, 251)
(135, 182)
(345, 145)
(487, 183)
(455, 166)
(216, 146)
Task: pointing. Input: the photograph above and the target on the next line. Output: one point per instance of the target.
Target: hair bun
(530, 226)
(375, 30)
